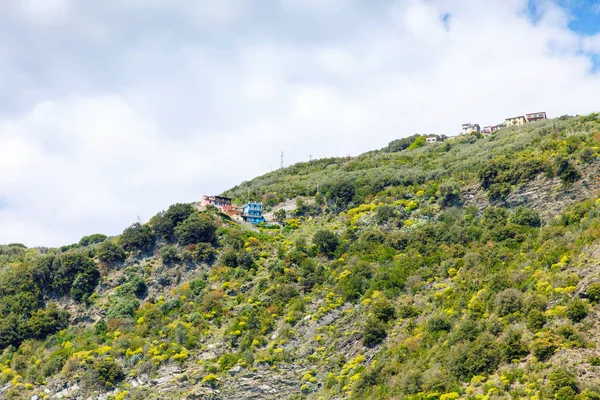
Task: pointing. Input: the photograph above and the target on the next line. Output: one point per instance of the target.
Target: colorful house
(515, 121)
(222, 203)
(535, 116)
(465, 129)
(252, 212)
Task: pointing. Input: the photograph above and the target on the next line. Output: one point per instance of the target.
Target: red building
(223, 203)
(535, 116)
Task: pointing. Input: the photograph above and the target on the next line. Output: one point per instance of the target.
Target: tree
(196, 229)
(162, 226)
(593, 292)
(179, 212)
(326, 242)
(576, 310)
(74, 270)
(450, 194)
(169, 255)
(280, 215)
(526, 216)
(384, 213)
(108, 372)
(418, 142)
(374, 332)
(110, 252)
(341, 193)
(91, 239)
(137, 237)
(383, 310)
(566, 171)
(508, 301)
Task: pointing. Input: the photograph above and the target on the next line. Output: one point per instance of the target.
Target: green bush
(326, 242)
(526, 216)
(439, 323)
(418, 142)
(169, 255)
(110, 252)
(374, 333)
(561, 378)
(196, 229)
(543, 347)
(450, 195)
(383, 310)
(566, 171)
(499, 191)
(593, 292)
(92, 239)
(577, 310)
(108, 372)
(508, 301)
(536, 320)
(137, 237)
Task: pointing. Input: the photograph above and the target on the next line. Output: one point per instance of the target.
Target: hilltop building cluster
(250, 212)
(512, 121)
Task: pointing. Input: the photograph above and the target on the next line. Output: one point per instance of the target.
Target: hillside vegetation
(465, 269)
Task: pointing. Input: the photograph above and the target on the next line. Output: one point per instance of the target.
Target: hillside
(468, 268)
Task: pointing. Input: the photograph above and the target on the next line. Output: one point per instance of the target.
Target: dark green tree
(196, 229)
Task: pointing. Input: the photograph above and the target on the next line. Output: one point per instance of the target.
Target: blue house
(252, 212)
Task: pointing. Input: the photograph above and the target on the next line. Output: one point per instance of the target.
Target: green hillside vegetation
(421, 273)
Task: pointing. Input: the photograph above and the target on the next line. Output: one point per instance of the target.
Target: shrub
(384, 213)
(204, 253)
(450, 195)
(196, 229)
(499, 191)
(418, 142)
(110, 252)
(536, 320)
(91, 239)
(326, 242)
(508, 301)
(74, 272)
(108, 372)
(84, 283)
(526, 216)
(593, 292)
(513, 346)
(577, 310)
(383, 310)
(561, 378)
(543, 347)
(177, 213)
(482, 356)
(169, 255)
(341, 193)
(566, 171)
(211, 380)
(374, 332)
(439, 323)
(137, 237)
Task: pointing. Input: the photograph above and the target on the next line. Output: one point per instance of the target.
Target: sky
(112, 110)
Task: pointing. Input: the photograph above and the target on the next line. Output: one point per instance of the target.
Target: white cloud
(44, 11)
(591, 43)
(166, 115)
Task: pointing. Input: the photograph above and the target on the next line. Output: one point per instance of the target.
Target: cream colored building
(515, 121)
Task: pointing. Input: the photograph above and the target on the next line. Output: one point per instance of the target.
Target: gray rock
(235, 370)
